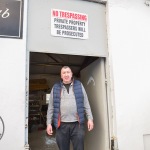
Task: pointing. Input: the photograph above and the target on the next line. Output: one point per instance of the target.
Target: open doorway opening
(44, 72)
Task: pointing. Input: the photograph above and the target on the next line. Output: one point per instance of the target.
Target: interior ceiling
(47, 63)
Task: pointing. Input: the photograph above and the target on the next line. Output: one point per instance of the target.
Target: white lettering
(5, 14)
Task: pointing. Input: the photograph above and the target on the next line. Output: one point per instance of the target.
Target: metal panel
(93, 78)
(39, 28)
(146, 139)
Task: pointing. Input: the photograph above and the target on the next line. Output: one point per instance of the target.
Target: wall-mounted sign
(11, 18)
(69, 24)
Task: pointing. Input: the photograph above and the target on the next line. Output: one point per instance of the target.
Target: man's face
(66, 75)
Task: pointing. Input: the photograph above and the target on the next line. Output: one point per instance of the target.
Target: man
(67, 106)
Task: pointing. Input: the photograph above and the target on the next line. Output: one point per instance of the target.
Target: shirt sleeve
(50, 109)
(87, 107)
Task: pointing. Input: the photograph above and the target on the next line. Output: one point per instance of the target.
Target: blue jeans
(73, 132)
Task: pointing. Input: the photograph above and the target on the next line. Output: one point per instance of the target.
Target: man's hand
(90, 125)
(49, 129)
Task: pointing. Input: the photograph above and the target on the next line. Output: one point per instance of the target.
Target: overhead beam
(53, 64)
(49, 55)
(51, 74)
(97, 1)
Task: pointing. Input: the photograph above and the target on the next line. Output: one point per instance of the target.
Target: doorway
(44, 72)
(86, 57)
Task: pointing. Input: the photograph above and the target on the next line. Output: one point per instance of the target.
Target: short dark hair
(64, 67)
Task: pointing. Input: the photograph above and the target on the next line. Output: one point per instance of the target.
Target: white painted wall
(12, 90)
(129, 48)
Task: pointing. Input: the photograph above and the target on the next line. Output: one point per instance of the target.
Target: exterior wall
(129, 49)
(12, 90)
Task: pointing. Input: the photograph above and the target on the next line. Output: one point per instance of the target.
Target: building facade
(118, 34)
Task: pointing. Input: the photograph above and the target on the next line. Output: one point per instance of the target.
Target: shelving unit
(34, 111)
(37, 117)
(34, 114)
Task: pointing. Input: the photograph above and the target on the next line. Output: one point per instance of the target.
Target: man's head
(66, 74)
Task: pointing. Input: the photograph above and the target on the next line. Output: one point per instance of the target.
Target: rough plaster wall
(129, 47)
